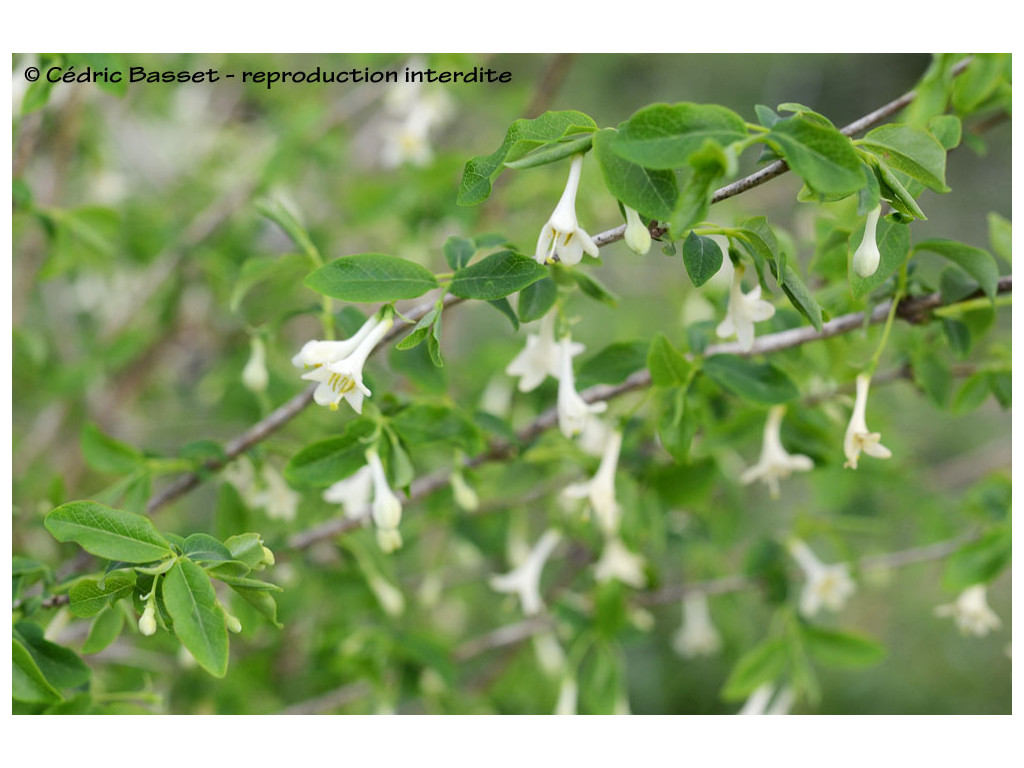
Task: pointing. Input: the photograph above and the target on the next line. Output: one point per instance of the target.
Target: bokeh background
(135, 213)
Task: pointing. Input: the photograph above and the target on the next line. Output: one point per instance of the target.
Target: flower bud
(865, 260)
(389, 539)
(268, 556)
(254, 375)
(147, 622)
(464, 495)
(637, 236)
(234, 625)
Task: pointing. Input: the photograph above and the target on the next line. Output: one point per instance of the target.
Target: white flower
(697, 636)
(541, 357)
(279, 501)
(573, 410)
(600, 490)
(637, 235)
(353, 493)
(562, 237)
(971, 612)
(387, 594)
(617, 562)
(549, 653)
(594, 437)
(147, 622)
(387, 509)
(775, 463)
(865, 260)
(858, 438)
(254, 375)
(412, 111)
(758, 703)
(828, 586)
(567, 695)
(464, 495)
(524, 580)
(339, 366)
(745, 309)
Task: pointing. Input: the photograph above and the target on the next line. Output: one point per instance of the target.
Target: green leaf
(367, 277)
(246, 582)
(109, 533)
(260, 269)
(420, 331)
(800, 296)
(756, 382)
(458, 251)
(278, 213)
(105, 629)
(552, 153)
(105, 454)
(496, 276)
(667, 366)
(676, 427)
(762, 664)
(87, 597)
(522, 137)
(327, 461)
(979, 81)
(976, 262)
(708, 164)
(663, 136)
(841, 649)
(612, 364)
(892, 189)
(653, 193)
(28, 683)
(536, 299)
(262, 601)
(912, 150)
(503, 306)
(972, 394)
(1000, 236)
(979, 562)
(590, 285)
(199, 621)
(702, 257)
(893, 242)
(424, 423)
(823, 157)
(203, 548)
(61, 666)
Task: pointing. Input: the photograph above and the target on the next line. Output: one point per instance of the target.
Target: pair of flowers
(354, 494)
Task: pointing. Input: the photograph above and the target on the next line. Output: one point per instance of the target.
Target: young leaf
(87, 598)
(709, 163)
(109, 533)
(551, 153)
(367, 277)
(912, 150)
(841, 649)
(262, 601)
(496, 276)
(458, 251)
(756, 382)
(246, 548)
(663, 136)
(652, 193)
(823, 157)
(199, 621)
(702, 257)
(203, 548)
(976, 262)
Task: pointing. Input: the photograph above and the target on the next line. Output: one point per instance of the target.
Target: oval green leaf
(105, 532)
(757, 382)
(199, 622)
(497, 275)
(367, 277)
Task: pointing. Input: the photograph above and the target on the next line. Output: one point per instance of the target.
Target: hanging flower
(573, 410)
(865, 260)
(463, 494)
(568, 692)
(971, 612)
(541, 357)
(147, 622)
(254, 375)
(775, 463)
(339, 366)
(387, 509)
(758, 703)
(353, 493)
(828, 586)
(617, 562)
(858, 438)
(561, 239)
(279, 501)
(524, 580)
(549, 653)
(697, 636)
(744, 310)
(637, 235)
(600, 490)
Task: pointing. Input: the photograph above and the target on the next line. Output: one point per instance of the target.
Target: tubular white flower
(828, 586)
(775, 463)
(757, 703)
(865, 260)
(316, 353)
(353, 493)
(697, 636)
(147, 622)
(971, 612)
(617, 562)
(858, 438)
(562, 236)
(524, 580)
(600, 490)
(387, 509)
(343, 378)
(549, 653)
(637, 235)
(744, 310)
(568, 692)
(278, 500)
(573, 410)
(254, 375)
(541, 356)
